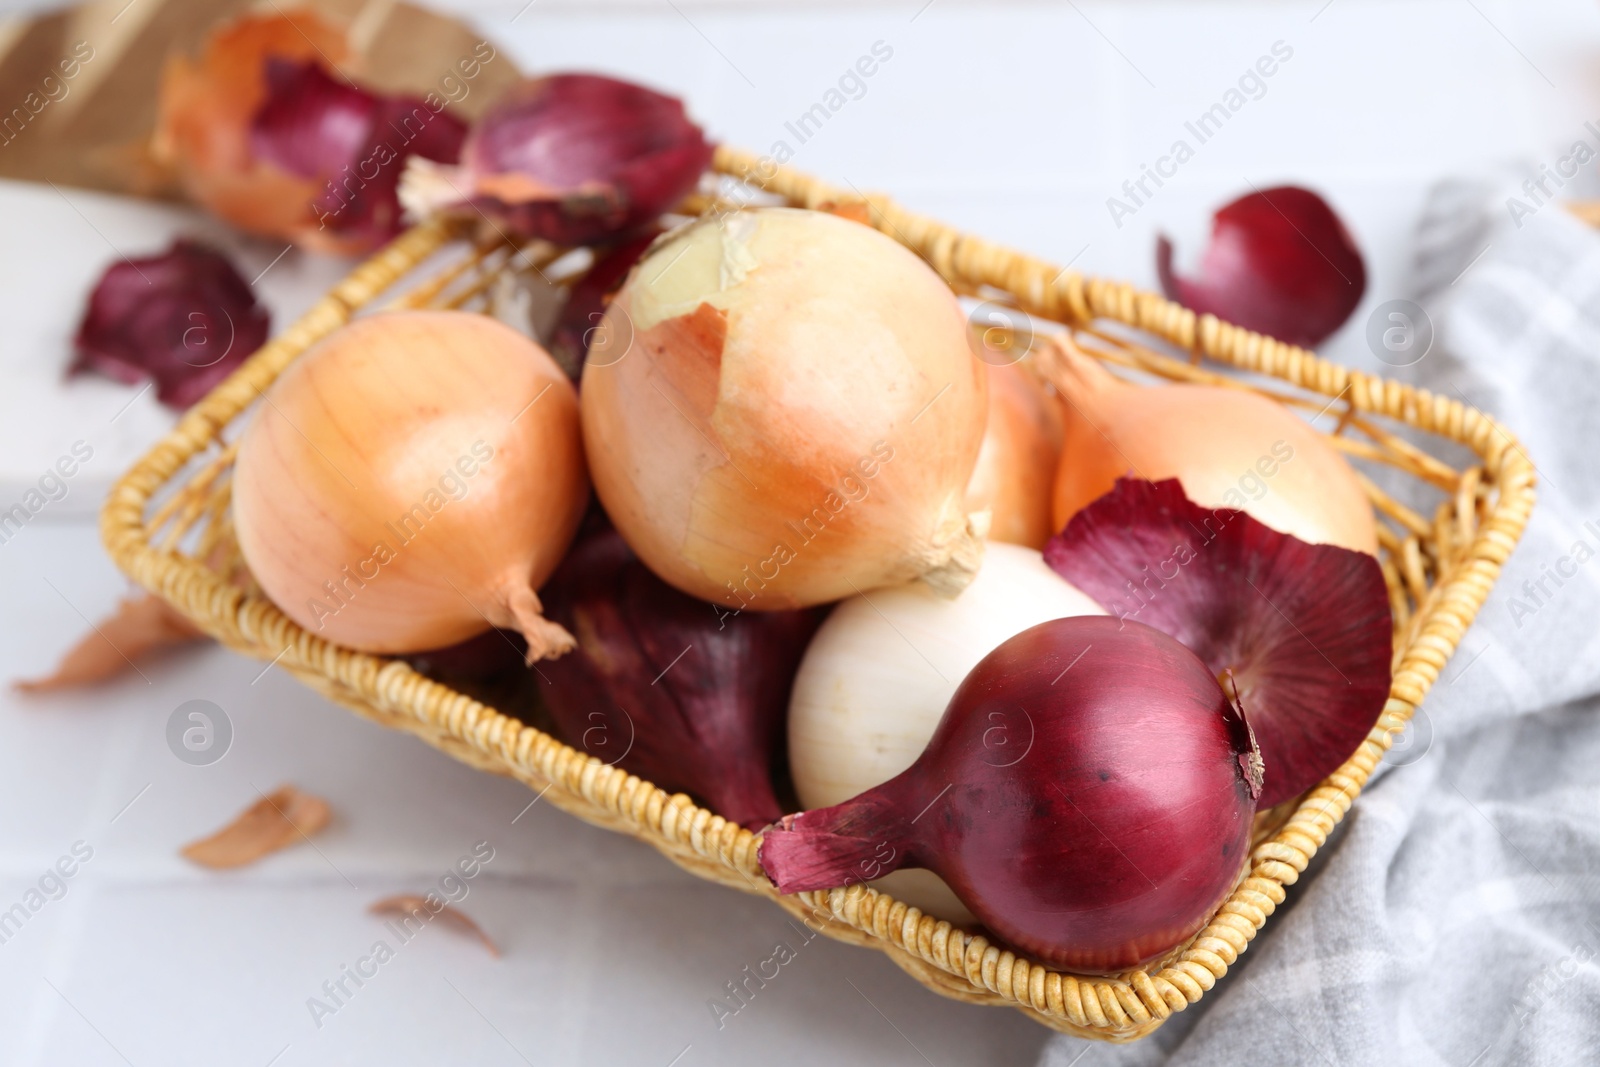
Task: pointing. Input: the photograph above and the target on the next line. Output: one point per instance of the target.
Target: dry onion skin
(141, 628)
(424, 909)
(1016, 468)
(1228, 447)
(781, 409)
(265, 129)
(1280, 261)
(279, 819)
(205, 111)
(411, 481)
(568, 158)
(1303, 631)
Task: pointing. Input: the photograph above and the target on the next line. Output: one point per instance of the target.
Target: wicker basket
(167, 524)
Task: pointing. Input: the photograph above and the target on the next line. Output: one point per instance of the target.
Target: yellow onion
(1229, 448)
(411, 481)
(781, 409)
(1017, 464)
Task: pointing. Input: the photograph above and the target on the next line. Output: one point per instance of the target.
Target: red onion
(589, 298)
(1305, 629)
(354, 142)
(1280, 262)
(570, 158)
(685, 694)
(184, 318)
(1108, 842)
(477, 659)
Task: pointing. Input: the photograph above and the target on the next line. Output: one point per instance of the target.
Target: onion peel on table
(140, 628)
(427, 908)
(1280, 262)
(274, 822)
(185, 319)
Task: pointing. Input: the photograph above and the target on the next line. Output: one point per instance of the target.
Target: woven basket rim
(949, 959)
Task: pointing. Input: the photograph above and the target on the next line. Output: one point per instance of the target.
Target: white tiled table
(1016, 121)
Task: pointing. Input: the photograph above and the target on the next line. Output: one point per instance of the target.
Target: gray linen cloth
(1454, 918)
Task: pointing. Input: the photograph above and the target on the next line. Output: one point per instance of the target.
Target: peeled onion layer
(1305, 630)
(569, 158)
(1108, 843)
(309, 123)
(1229, 447)
(204, 119)
(880, 672)
(185, 319)
(410, 481)
(782, 410)
(683, 694)
(352, 142)
(1017, 464)
(259, 132)
(1279, 262)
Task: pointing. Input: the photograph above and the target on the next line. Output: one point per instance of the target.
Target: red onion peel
(352, 142)
(1305, 629)
(1279, 262)
(184, 318)
(259, 132)
(570, 158)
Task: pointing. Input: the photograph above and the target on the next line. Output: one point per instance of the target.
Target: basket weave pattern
(1439, 570)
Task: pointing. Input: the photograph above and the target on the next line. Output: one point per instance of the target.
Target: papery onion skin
(570, 158)
(1280, 262)
(206, 105)
(260, 134)
(876, 679)
(185, 319)
(1304, 631)
(1107, 844)
(410, 481)
(1017, 464)
(682, 693)
(308, 122)
(1229, 448)
(352, 142)
(783, 410)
